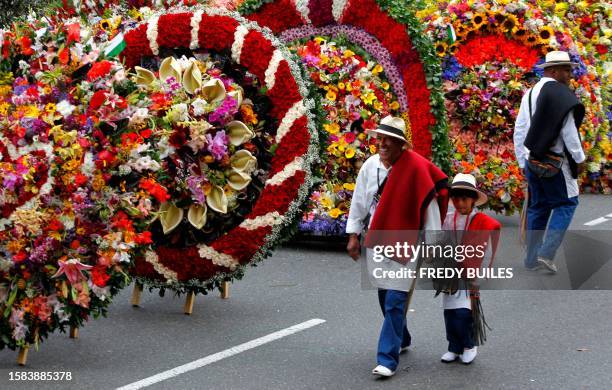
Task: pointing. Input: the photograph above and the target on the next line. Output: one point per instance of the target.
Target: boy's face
(463, 204)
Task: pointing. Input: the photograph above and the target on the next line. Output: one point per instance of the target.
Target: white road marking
(162, 376)
(609, 215)
(597, 221)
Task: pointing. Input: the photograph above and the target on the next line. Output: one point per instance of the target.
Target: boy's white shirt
(460, 299)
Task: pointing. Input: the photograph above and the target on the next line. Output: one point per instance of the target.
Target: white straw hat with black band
(393, 127)
(557, 58)
(465, 181)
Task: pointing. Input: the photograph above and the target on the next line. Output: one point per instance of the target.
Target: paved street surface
(540, 339)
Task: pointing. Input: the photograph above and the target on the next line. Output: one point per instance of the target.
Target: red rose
(20, 256)
(97, 100)
(99, 277)
(99, 69)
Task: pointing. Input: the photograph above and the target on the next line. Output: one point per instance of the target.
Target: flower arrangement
(239, 145)
(356, 95)
(487, 69)
(385, 24)
(64, 247)
(101, 162)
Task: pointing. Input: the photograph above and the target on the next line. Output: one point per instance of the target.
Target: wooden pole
(74, 332)
(225, 290)
(189, 303)
(136, 294)
(22, 358)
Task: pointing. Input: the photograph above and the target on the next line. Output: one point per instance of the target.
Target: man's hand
(354, 248)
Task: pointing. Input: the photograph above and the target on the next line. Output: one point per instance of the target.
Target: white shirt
(461, 299)
(568, 137)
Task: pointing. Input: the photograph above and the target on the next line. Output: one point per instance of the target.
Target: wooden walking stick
(413, 284)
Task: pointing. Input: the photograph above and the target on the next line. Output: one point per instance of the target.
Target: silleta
(469, 273)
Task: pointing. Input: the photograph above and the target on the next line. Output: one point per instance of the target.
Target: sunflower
(479, 19)
(531, 39)
(510, 24)
(452, 49)
(520, 34)
(441, 48)
(105, 24)
(546, 33)
(499, 18)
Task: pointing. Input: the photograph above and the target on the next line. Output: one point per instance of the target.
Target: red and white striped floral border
(250, 46)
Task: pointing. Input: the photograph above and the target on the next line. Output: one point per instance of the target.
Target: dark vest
(555, 101)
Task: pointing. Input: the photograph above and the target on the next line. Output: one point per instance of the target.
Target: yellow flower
(335, 213)
(349, 186)
(479, 19)
(368, 98)
(441, 49)
(341, 85)
(349, 153)
(331, 95)
(378, 105)
(50, 108)
(546, 33)
(326, 202)
(31, 111)
(385, 85)
(319, 40)
(377, 69)
(4, 107)
(394, 105)
(561, 9)
(361, 136)
(511, 24)
(348, 53)
(372, 149)
(324, 60)
(331, 128)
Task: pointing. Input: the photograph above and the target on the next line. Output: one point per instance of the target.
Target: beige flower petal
(192, 78)
(144, 76)
(197, 215)
(243, 161)
(170, 217)
(238, 95)
(170, 68)
(238, 180)
(217, 200)
(239, 133)
(213, 90)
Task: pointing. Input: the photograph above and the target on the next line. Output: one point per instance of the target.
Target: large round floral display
(181, 168)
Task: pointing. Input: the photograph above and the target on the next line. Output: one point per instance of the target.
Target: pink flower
(73, 270)
(217, 146)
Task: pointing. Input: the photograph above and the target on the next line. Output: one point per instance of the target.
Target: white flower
(124, 170)
(199, 107)
(164, 148)
(146, 163)
(65, 108)
(178, 113)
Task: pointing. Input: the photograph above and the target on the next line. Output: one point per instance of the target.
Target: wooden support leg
(225, 290)
(189, 303)
(74, 332)
(136, 294)
(22, 358)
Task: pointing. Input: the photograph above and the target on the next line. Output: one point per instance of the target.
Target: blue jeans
(547, 201)
(459, 332)
(394, 333)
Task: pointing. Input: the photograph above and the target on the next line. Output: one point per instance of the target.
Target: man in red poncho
(398, 194)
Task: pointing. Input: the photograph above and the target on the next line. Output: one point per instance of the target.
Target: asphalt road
(540, 339)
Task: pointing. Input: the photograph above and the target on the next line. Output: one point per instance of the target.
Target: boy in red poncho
(465, 325)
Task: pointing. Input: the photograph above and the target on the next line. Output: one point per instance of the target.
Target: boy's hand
(354, 248)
